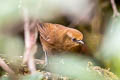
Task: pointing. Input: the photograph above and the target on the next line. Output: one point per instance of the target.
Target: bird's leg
(46, 58)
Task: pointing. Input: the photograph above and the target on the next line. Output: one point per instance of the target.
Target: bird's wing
(47, 32)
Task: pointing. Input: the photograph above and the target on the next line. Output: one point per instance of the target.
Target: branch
(115, 10)
(5, 67)
(30, 35)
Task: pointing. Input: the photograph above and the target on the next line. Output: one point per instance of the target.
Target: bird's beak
(80, 41)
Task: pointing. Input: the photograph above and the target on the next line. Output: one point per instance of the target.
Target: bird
(56, 38)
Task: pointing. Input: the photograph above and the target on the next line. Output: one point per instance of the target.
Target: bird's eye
(74, 39)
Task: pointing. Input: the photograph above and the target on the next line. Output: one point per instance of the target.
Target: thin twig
(30, 33)
(5, 67)
(26, 35)
(115, 10)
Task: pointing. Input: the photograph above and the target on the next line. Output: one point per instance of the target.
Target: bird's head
(75, 36)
